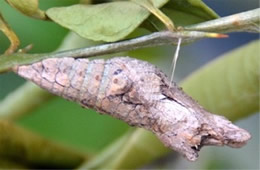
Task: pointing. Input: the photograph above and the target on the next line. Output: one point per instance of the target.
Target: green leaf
(114, 21)
(28, 7)
(134, 153)
(184, 12)
(107, 22)
(229, 85)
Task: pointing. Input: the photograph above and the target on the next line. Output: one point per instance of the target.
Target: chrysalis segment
(79, 74)
(139, 94)
(91, 84)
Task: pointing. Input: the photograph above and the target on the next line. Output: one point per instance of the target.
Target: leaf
(146, 151)
(228, 86)
(114, 21)
(28, 7)
(107, 22)
(183, 12)
(15, 42)
(248, 21)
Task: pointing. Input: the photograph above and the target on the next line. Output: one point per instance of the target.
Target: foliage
(236, 97)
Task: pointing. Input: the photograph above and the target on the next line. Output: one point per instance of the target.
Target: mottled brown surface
(139, 94)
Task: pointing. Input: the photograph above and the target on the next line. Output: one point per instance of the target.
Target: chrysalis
(139, 94)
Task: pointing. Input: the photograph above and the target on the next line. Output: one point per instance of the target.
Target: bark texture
(139, 94)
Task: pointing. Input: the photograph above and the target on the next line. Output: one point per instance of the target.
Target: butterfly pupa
(139, 94)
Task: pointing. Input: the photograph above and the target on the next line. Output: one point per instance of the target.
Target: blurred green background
(86, 130)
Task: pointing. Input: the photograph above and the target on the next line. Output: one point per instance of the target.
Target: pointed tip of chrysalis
(216, 35)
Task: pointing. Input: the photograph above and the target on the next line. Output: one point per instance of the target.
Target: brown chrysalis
(139, 94)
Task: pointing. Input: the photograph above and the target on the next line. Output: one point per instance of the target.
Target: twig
(151, 40)
(242, 22)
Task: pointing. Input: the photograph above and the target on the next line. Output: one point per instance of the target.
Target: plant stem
(151, 40)
(242, 22)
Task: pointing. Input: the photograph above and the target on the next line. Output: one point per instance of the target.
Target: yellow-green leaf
(230, 84)
(183, 13)
(28, 7)
(107, 22)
